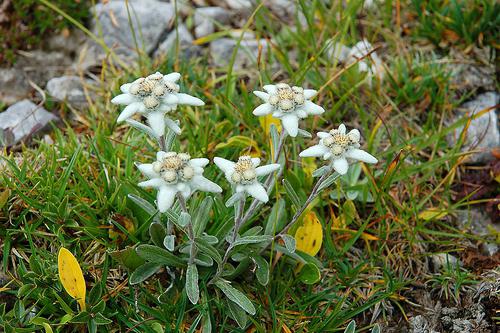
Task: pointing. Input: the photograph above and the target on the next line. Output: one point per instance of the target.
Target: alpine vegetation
(209, 264)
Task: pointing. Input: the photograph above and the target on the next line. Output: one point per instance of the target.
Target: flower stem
(314, 193)
(238, 219)
(267, 184)
(162, 142)
(192, 249)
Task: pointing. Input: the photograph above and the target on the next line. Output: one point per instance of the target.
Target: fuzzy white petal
(301, 113)
(199, 162)
(312, 108)
(171, 99)
(165, 198)
(172, 125)
(314, 151)
(270, 88)
(342, 129)
(124, 99)
(147, 170)
(189, 100)
(225, 165)
(172, 77)
(327, 155)
(278, 114)
(309, 93)
(156, 121)
(340, 165)
(124, 88)
(360, 155)
(263, 109)
(255, 161)
(323, 135)
(257, 191)
(160, 155)
(291, 123)
(203, 184)
(262, 95)
(267, 169)
(155, 183)
(129, 111)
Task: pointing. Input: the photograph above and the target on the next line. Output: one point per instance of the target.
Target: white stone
(205, 19)
(483, 134)
(180, 35)
(22, 120)
(150, 19)
(221, 51)
(68, 89)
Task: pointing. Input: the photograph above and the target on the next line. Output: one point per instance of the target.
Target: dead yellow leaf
(71, 276)
(309, 236)
(432, 214)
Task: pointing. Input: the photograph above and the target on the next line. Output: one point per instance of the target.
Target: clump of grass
(26, 24)
(458, 22)
(73, 193)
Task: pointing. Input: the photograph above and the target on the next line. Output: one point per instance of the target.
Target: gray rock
(478, 224)
(444, 260)
(13, 85)
(22, 120)
(483, 133)
(68, 89)
(420, 324)
(185, 39)
(472, 70)
(221, 51)
(205, 18)
(150, 20)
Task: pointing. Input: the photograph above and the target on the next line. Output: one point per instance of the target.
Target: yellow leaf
(241, 142)
(432, 214)
(267, 121)
(309, 236)
(71, 276)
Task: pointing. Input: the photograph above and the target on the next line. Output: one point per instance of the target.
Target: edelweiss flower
(288, 104)
(244, 175)
(172, 173)
(338, 146)
(154, 97)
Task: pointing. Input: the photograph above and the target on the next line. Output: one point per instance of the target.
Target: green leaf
(328, 181)
(238, 314)
(310, 273)
(376, 328)
(203, 260)
(157, 232)
(262, 271)
(253, 239)
(294, 197)
(192, 289)
(101, 320)
(169, 242)
(289, 242)
(276, 220)
(351, 327)
(202, 215)
(144, 272)
(184, 219)
(236, 296)
(128, 258)
(158, 255)
(145, 205)
(208, 249)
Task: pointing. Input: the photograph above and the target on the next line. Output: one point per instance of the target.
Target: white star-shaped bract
(288, 104)
(176, 172)
(339, 147)
(154, 97)
(243, 174)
